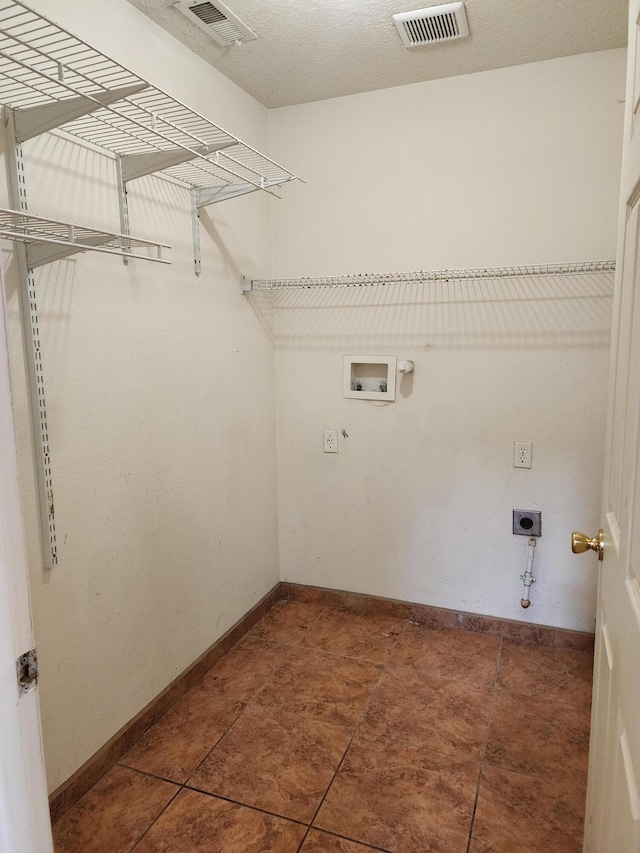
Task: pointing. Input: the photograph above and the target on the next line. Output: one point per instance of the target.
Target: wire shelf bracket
(202, 197)
(134, 166)
(33, 121)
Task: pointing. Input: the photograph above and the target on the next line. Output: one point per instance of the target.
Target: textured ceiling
(308, 50)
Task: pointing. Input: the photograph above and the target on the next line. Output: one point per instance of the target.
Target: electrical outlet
(522, 451)
(330, 441)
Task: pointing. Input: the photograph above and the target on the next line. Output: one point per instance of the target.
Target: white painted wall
(161, 414)
(160, 385)
(514, 166)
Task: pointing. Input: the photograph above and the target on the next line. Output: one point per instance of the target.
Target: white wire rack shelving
(423, 276)
(50, 78)
(51, 239)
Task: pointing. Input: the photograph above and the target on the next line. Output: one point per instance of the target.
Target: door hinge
(27, 667)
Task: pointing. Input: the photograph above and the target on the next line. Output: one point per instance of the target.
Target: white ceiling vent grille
(220, 22)
(428, 26)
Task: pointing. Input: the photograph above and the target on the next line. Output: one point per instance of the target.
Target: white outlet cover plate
(522, 452)
(330, 441)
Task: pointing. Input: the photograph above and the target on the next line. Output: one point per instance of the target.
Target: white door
(24, 813)
(612, 822)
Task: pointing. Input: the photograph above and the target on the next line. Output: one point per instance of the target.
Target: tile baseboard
(440, 617)
(67, 794)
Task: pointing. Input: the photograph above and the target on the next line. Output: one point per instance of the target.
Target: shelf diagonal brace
(32, 121)
(39, 254)
(134, 166)
(204, 196)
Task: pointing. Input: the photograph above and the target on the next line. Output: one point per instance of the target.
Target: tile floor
(326, 731)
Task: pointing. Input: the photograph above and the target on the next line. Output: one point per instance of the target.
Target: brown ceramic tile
(360, 635)
(517, 814)
(182, 738)
(198, 823)
(322, 842)
(577, 640)
(114, 814)
(309, 669)
(275, 761)
(560, 675)
(537, 737)
(401, 798)
(245, 669)
(521, 631)
(449, 653)
(322, 686)
(287, 621)
(435, 713)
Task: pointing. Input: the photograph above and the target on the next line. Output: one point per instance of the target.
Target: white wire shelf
(50, 79)
(377, 279)
(51, 239)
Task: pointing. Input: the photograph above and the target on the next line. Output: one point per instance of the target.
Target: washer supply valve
(527, 578)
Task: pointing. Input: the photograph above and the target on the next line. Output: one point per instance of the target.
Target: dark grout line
(304, 838)
(222, 736)
(484, 746)
(157, 818)
(149, 775)
(383, 670)
(362, 844)
(295, 820)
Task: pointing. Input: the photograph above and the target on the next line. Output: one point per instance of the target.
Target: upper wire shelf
(52, 239)
(45, 69)
(373, 279)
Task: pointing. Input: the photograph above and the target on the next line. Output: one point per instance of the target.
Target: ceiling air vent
(428, 26)
(220, 22)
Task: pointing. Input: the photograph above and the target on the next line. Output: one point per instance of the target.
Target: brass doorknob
(581, 543)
